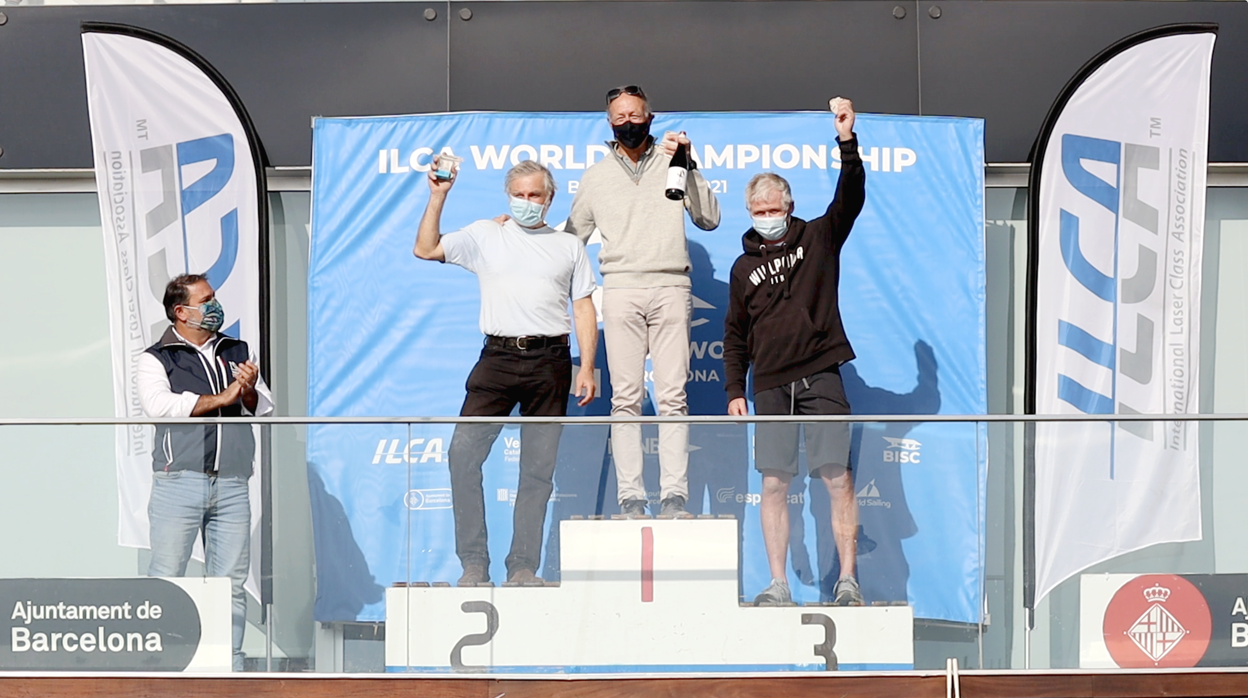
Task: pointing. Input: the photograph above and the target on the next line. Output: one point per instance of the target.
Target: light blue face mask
(527, 213)
(771, 228)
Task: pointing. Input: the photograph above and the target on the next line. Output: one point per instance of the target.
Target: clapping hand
(246, 374)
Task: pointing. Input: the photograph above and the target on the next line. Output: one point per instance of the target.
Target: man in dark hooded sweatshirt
(783, 317)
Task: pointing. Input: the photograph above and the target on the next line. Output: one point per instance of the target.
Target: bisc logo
(902, 450)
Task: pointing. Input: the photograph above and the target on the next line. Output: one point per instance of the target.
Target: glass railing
(479, 546)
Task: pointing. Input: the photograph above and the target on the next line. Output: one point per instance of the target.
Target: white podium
(637, 596)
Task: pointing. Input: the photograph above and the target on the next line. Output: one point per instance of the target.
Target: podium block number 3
(824, 649)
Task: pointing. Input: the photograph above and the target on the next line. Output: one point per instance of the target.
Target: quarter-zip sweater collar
(633, 169)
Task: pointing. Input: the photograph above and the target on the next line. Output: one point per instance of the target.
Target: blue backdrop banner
(390, 334)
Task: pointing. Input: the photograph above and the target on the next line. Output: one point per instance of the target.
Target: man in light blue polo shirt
(527, 272)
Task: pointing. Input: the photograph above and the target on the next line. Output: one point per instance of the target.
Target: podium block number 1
(647, 564)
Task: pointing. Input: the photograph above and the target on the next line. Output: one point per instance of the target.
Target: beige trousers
(637, 322)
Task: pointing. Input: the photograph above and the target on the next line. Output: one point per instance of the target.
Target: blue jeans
(184, 503)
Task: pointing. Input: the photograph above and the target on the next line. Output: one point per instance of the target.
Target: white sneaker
(774, 595)
(847, 592)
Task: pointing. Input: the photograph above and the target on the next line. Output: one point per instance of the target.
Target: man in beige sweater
(646, 299)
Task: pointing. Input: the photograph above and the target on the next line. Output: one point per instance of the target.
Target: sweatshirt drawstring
(788, 281)
(793, 395)
(766, 264)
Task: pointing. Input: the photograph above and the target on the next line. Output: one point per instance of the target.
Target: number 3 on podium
(824, 649)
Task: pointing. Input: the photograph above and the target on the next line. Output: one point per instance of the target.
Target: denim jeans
(537, 380)
(183, 504)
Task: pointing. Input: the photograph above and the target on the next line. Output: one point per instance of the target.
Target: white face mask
(771, 228)
(527, 213)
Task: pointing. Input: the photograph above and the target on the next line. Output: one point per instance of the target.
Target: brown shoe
(524, 578)
(473, 575)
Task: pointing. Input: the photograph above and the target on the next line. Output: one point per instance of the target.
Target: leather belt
(526, 343)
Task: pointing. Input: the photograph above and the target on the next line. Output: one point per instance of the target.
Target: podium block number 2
(474, 639)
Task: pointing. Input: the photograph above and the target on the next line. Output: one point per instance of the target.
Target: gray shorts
(775, 446)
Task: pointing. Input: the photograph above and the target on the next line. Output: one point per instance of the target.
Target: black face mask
(631, 135)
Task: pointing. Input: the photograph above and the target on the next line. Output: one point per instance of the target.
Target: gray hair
(526, 168)
(763, 183)
(639, 94)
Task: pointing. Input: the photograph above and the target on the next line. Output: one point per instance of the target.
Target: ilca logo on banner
(1155, 292)
(415, 451)
(179, 202)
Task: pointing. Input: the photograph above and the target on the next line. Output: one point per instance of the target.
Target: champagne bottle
(677, 173)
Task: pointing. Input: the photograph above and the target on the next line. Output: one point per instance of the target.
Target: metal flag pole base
(268, 637)
(953, 682)
(1027, 639)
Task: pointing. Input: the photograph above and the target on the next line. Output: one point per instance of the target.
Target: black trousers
(538, 380)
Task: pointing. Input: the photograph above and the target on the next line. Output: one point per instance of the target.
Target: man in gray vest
(528, 271)
(199, 483)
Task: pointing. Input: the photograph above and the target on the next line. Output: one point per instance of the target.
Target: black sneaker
(633, 508)
(473, 575)
(674, 508)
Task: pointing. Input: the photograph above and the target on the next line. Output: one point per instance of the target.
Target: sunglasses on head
(626, 90)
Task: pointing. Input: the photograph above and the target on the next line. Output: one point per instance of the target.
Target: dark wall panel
(287, 62)
(1006, 62)
(689, 56)
(1003, 61)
